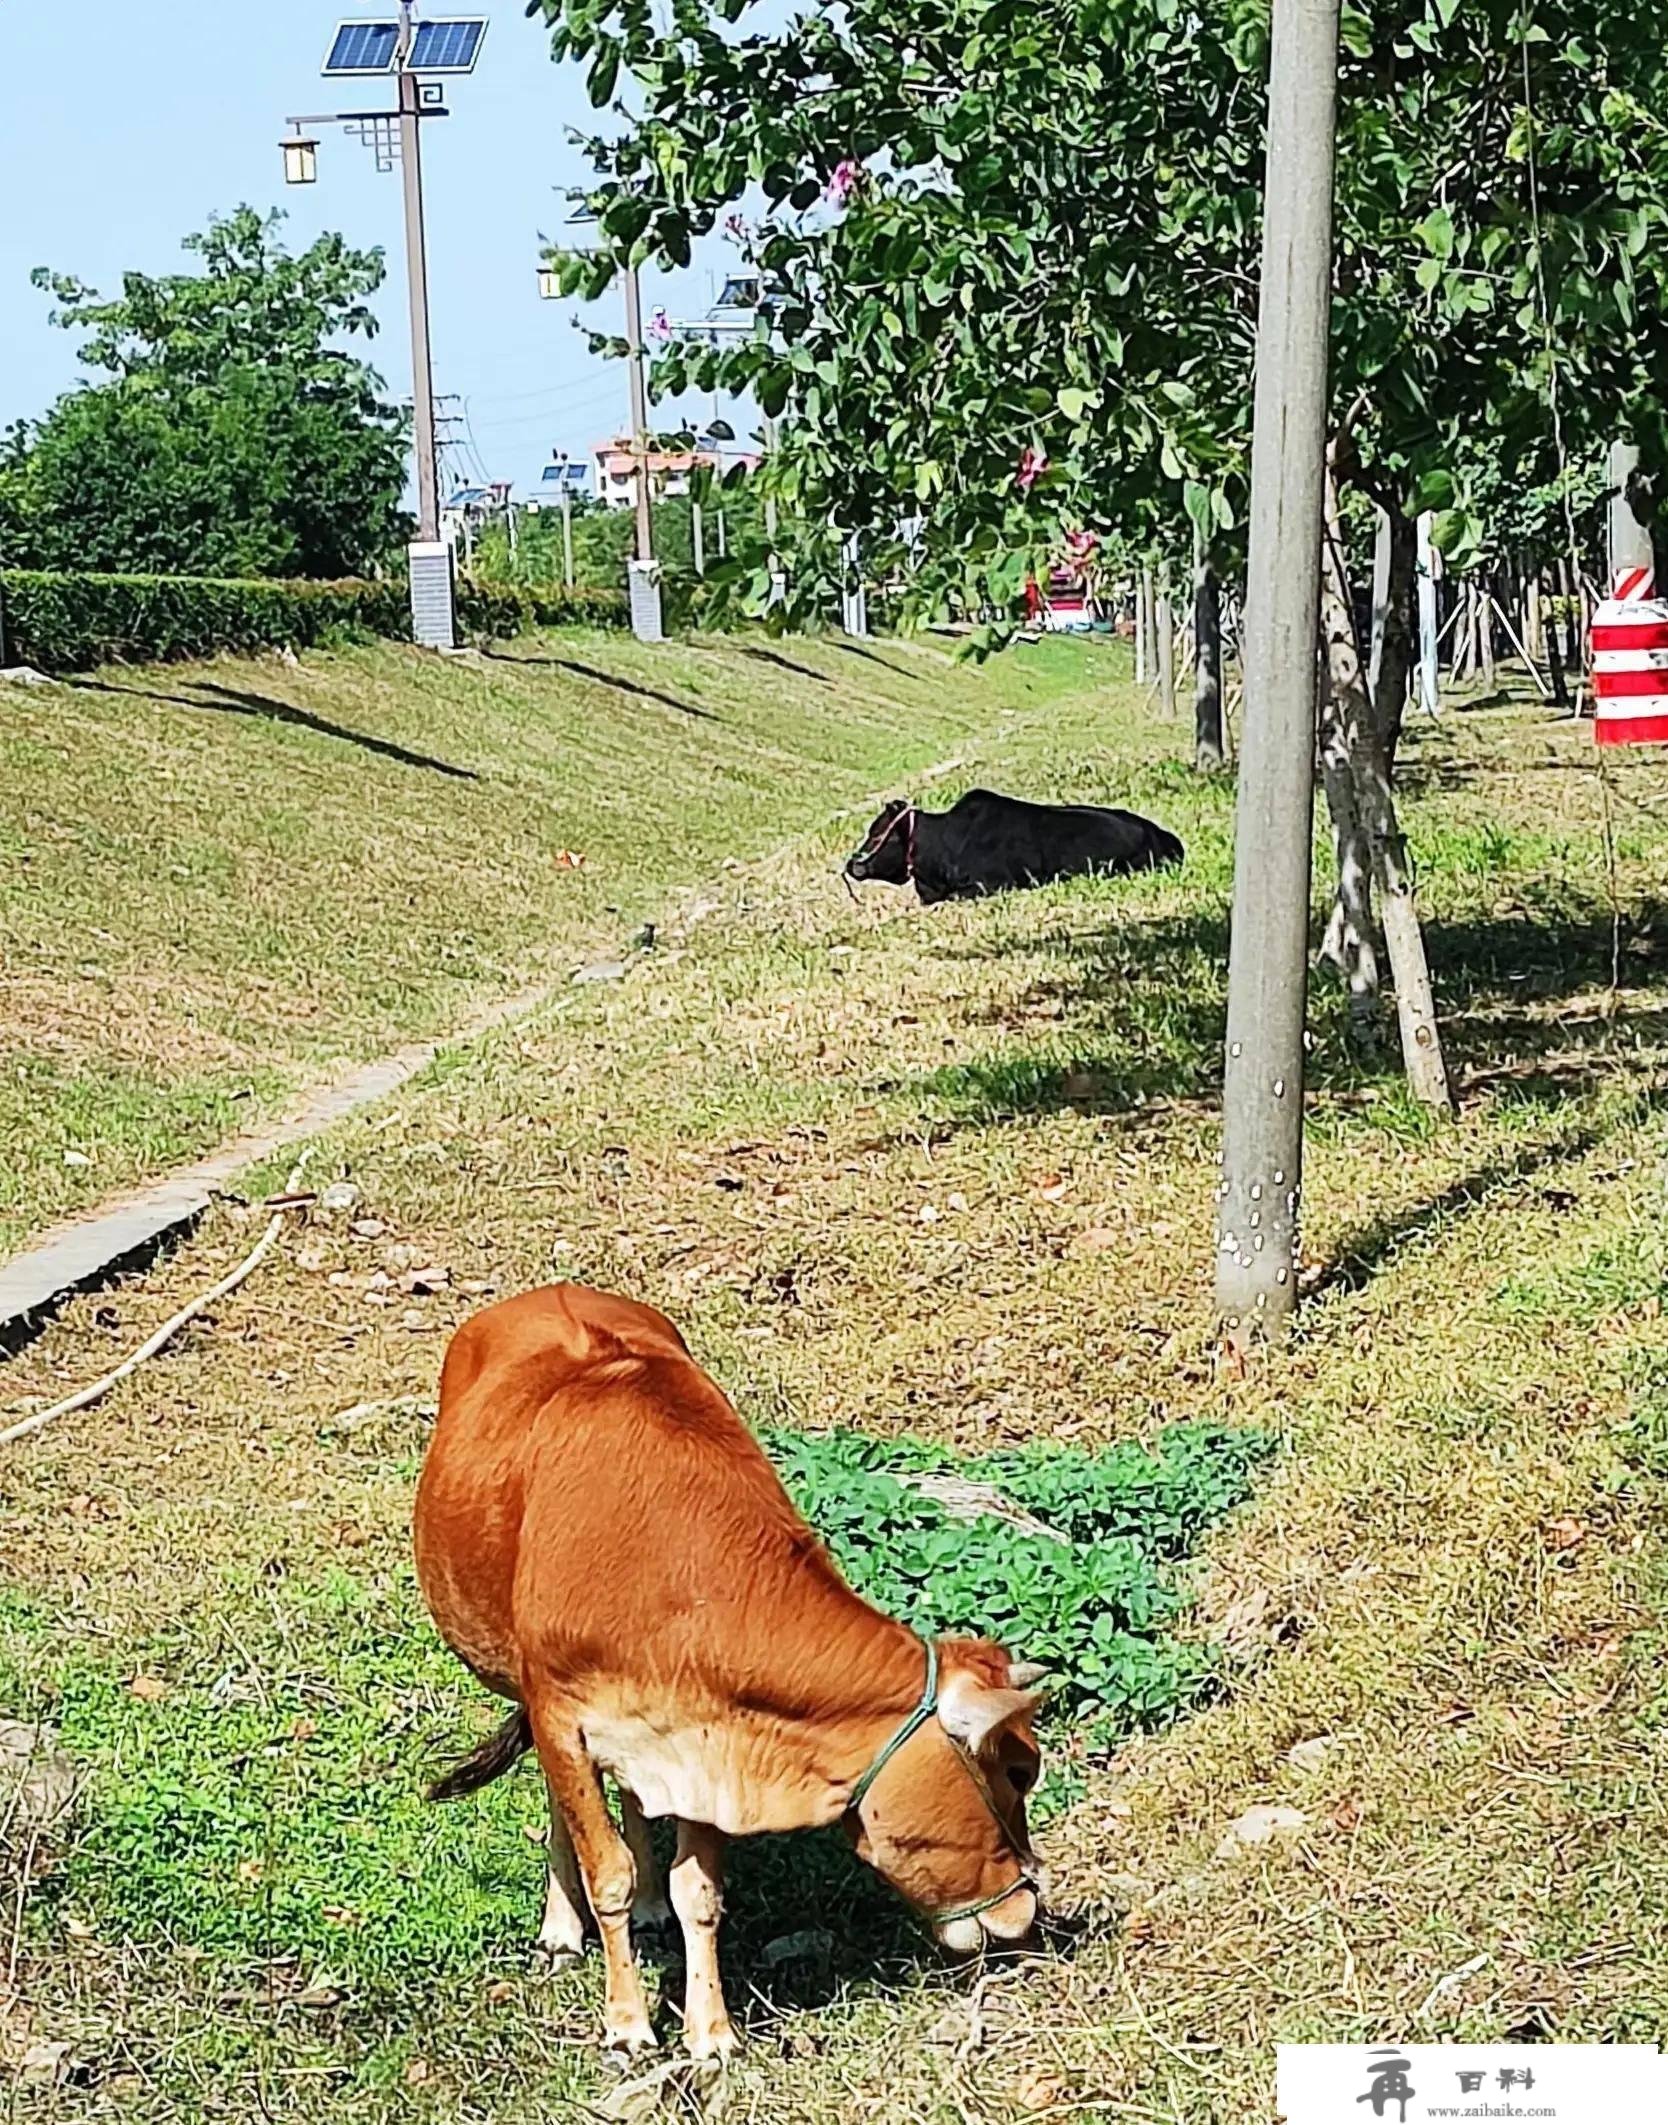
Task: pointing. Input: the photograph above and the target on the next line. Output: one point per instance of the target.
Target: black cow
(991, 844)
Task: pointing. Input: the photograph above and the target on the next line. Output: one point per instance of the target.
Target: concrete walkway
(89, 1247)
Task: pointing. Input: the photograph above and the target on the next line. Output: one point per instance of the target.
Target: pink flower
(1033, 463)
(660, 326)
(848, 175)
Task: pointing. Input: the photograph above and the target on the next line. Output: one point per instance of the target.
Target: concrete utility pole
(644, 586)
(1259, 1210)
(639, 390)
(417, 288)
(854, 598)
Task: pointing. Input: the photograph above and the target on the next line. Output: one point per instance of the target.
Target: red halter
(904, 818)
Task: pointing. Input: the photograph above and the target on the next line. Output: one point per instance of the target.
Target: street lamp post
(410, 51)
(642, 576)
(417, 288)
(638, 384)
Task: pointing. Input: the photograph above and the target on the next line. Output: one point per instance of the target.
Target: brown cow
(601, 1539)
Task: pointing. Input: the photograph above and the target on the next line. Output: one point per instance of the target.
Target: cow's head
(887, 853)
(944, 1822)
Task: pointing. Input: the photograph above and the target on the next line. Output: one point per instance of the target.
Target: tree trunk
(1142, 669)
(1350, 943)
(1485, 626)
(1404, 940)
(1534, 639)
(1164, 629)
(1367, 730)
(1207, 666)
(1148, 627)
(1571, 647)
(1396, 644)
(1555, 652)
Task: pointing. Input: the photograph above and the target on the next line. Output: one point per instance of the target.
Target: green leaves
(235, 435)
(1092, 1598)
(1436, 233)
(1057, 246)
(605, 71)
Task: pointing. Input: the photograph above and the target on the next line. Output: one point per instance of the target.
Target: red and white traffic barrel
(1630, 663)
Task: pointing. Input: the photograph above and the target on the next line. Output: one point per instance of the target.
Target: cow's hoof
(629, 2040)
(557, 1956)
(713, 2044)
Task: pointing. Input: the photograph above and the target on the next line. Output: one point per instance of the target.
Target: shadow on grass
(1360, 1256)
(621, 685)
(228, 700)
(806, 1923)
(761, 655)
(1139, 1014)
(1422, 778)
(872, 656)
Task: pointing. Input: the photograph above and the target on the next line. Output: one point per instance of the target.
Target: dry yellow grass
(222, 882)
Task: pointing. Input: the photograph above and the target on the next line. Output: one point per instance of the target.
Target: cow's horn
(1025, 1674)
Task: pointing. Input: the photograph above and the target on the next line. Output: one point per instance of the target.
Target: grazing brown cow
(602, 1540)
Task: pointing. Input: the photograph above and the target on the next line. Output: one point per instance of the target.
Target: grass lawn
(223, 881)
(945, 1175)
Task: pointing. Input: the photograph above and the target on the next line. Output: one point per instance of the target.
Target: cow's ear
(971, 1712)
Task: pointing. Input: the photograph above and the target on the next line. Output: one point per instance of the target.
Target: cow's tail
(502, 1750)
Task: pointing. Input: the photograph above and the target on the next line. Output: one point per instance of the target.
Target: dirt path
(125, 1231)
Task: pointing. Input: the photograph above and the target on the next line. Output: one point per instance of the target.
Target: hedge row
(72, 622)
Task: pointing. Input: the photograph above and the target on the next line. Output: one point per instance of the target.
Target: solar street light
(550, 284)
(419, 55)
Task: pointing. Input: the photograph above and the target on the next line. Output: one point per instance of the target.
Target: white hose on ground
(84, 1397)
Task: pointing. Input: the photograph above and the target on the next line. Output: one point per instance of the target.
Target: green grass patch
(259, 1795)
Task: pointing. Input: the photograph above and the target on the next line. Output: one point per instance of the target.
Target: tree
(1011, 252)
(603, 541)
(234, 435)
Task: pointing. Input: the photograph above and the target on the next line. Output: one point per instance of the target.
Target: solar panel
(448, 47)
(362, 48)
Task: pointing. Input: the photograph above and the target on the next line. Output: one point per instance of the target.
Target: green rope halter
(926, 1708)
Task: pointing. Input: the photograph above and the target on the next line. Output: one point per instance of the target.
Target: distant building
(614, 469)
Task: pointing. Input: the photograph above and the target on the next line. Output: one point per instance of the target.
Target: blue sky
(128, 123)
